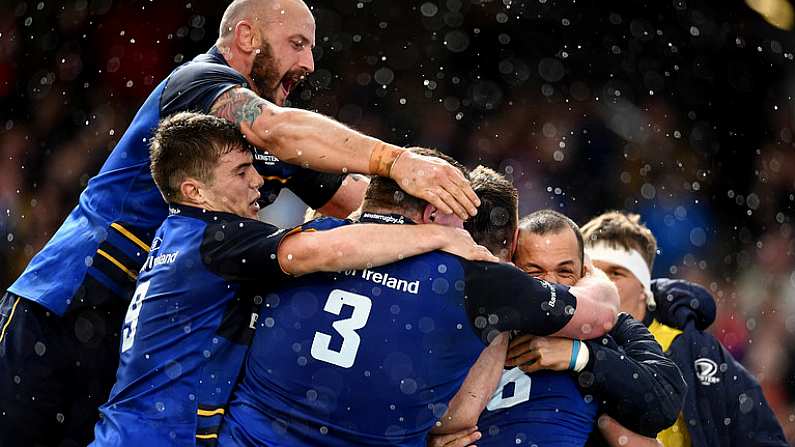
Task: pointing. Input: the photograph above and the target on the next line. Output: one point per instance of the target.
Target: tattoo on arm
(238, 104)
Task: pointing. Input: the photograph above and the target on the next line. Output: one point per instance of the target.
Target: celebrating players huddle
(434, 315)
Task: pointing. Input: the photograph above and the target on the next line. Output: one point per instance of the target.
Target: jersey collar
(216, 54)
(392, 218)
(200, 213)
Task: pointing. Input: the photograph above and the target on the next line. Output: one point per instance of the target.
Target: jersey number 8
(131, 319)
(346, 328)
(503, 397)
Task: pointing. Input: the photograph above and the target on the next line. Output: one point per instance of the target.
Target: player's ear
(515, 242)
(191, 191)
(245, 37)
(429, 214)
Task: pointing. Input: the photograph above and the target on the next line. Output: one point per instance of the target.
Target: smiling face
(234, 187)
(553, 257)
(284, 57)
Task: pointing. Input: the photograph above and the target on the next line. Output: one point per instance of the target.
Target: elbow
(609, 303)
(605, 316)
(304, 253)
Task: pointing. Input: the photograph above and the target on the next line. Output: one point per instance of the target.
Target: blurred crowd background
(680, 110)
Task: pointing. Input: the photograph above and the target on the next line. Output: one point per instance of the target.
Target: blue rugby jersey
(372, 357)
(96, 253)
(544, 409)
(188, 327)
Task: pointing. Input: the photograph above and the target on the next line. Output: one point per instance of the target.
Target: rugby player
(194, 308)
(372, 356)
(60, 320)
(724, 404)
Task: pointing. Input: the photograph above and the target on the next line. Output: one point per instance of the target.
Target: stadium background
(680, 110)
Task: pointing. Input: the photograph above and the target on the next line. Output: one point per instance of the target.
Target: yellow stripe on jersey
(275, 177)
(8, 322)
(201, 412)
(208, 436)
(117, 264)
(130, 236)
(677, 434)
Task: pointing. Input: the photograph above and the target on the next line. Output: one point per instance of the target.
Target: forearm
(356, 247)
(312, 140)
(597, 308)
(348, 197)
(296, 136)
(464, 409)
(618, 436)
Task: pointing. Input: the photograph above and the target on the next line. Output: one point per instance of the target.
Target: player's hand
(617, 435)
(532, 353)
(462, 438)
(460, 243)
(437, 182)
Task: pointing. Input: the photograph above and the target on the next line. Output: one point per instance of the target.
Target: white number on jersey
(346, 328)
(131, 319)
(521, 390)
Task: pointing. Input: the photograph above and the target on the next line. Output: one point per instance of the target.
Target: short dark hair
(494, 227)
(384, 192)
(546, 221)
(190, 144)
(620, 229)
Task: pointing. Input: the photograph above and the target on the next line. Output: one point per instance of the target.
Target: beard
(264, 73)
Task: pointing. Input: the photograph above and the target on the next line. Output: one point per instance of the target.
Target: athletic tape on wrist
(582, 358)
(382, 158)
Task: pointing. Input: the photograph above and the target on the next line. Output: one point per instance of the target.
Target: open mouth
(290, 82)
(255, 204)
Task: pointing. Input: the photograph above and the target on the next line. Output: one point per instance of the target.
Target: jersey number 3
(346, 328)
(131, 319)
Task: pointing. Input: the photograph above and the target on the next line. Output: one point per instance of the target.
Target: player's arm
(617, 435)
(463, 410)
(348, 197)
(599, 302)
(625, 380)
(501, 297)
(245, 249)
(314, 141)
(332, 195)
(370, 245)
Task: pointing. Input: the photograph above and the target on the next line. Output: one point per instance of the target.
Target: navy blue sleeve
(503, 298)
(243, 249)
(195, 86)
(680, 301)
(314, 188)
(634, 381)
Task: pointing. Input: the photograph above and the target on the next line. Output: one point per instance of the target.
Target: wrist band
(582, 357)
(382, 158)
(575, 349)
